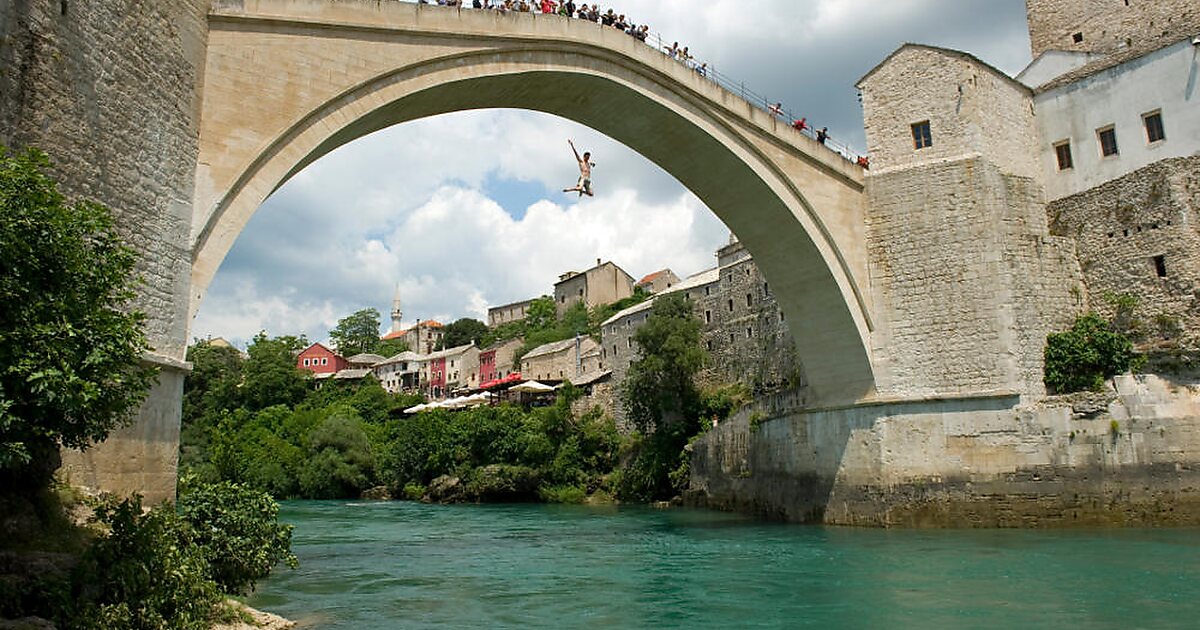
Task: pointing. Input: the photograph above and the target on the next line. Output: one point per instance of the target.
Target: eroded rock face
(27, 623)
(445, 489)
(378, 493)
(501, 482)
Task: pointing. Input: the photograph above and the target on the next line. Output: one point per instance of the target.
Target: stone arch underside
(766, 197)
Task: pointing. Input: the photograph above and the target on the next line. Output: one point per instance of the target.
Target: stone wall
(1121, 227)
(1106, 25)
(109, 89)
(560, 362)
(1128, 459)
(972, 109)
(745, 332)
(967, 281)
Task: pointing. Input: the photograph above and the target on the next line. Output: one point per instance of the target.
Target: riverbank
(1129, 458)
(254, 619)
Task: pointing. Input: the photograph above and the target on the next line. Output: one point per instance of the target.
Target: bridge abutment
(989, 461)
(109, 90)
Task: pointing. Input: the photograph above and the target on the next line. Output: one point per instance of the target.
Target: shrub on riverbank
(157, 568)
(1081, 358)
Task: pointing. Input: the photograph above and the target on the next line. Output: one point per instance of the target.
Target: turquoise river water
(367, 565)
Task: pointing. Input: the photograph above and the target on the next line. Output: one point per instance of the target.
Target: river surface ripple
(367, 565)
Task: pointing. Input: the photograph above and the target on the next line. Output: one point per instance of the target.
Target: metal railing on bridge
(700, 67)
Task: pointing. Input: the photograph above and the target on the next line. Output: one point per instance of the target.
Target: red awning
(511, 379)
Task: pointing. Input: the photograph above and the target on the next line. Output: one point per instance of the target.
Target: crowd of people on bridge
(593, 13)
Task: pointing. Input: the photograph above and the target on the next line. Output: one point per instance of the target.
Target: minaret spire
(396, 313)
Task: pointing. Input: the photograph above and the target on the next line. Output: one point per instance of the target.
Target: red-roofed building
(320, 360)
(658, 281)
(422, 338)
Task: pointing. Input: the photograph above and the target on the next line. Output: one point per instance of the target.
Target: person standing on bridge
(584, 185)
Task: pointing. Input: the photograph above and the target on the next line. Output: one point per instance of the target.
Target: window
(1062, 151)
(707, 290)
(325, 361)
(1160, 266)
(749, 333)
(1108, 141)
(730, 306)
(306, 363)
(1077, 38)
(707, 317)
(766, 289)
(629, 342)
(749, 300)
(708, 344)
(1154, 127)
(922, 136)
(731, 339)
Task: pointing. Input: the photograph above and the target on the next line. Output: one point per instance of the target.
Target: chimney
(597, 262)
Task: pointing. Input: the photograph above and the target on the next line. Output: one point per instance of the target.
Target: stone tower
(1105, 26)
(397, 314)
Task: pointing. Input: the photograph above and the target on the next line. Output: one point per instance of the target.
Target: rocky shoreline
(261, 620)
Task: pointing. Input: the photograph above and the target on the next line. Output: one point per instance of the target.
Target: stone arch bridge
(185, 115)
(287, 81)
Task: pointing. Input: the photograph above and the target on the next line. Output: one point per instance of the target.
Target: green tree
(340, 463)
(659, 386)
(212, 385)
(1081, 358)
(70, 344)
(390, 347)
(661, 399)
(270, 376)
(463, 332)
(357, 333)
(239, 531)
(540, 314)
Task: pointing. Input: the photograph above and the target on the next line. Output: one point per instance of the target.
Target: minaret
(396, 314)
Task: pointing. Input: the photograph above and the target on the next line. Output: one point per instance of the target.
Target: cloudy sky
(464, 210)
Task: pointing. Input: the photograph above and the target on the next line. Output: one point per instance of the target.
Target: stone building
(743, 329)
(399, 373)
(658, 281)
(558, 360)
(745, 332)
(508, 313)
(445, 371)
(960, 250)
(496, 361)
(1108, 26)
(421, 338)
(366, 360)
(603, 284)
(1105, 120)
